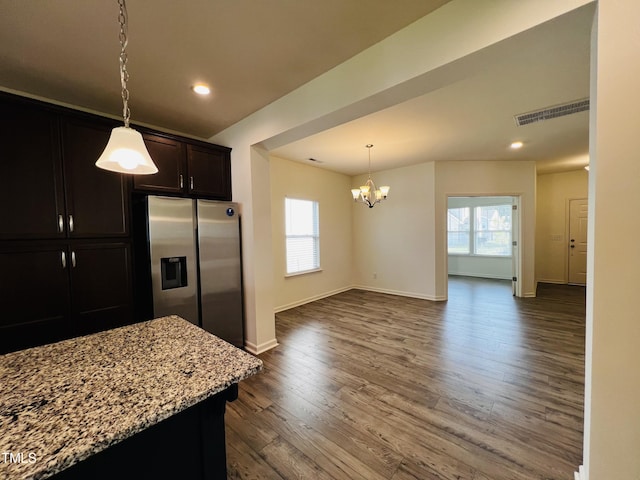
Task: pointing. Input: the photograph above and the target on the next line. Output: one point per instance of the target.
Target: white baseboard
(580, 474)
(555, 281)
(480, 275)
(263, 347)
(313, 298)
(282, 308)
(401, 293)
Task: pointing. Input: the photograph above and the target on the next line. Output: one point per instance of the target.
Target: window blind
(302, 235)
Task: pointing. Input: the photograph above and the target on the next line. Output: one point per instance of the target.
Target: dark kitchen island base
(188, 445)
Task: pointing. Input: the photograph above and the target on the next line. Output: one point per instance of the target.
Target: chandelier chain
(124, 74)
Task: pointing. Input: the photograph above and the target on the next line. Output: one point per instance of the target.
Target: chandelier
(368, 193)
(125, 151)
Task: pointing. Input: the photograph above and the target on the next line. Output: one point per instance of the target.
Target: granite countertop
(63, 402)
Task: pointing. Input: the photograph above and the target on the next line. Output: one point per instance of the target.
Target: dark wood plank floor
(364, 385)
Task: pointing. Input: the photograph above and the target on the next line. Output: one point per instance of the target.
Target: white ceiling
(254, 51)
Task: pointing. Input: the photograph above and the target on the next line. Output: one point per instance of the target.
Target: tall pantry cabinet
(65, 246)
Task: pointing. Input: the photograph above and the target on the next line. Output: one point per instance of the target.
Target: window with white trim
(302, 235)
(483, 230)
(458, 229)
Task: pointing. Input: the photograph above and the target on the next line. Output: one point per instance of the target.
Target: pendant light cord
(124, 74)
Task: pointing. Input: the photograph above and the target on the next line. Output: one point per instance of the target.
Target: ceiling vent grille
(552, 112)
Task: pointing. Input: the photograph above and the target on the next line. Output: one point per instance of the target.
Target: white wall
(393, 242)
(487, 178)
(332, 192)
(554, 191)
(612, 399)
(400, 245)
(478, 266)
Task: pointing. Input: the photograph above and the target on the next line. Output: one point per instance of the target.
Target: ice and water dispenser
(173, 271)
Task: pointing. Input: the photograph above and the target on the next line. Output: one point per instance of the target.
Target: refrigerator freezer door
(220, 270)
(172, 245)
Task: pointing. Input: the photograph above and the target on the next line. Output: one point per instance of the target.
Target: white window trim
(315, 235)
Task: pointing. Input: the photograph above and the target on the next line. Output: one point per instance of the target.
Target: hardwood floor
(365, 385)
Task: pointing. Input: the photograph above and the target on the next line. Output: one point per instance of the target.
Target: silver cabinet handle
(71, 223)
(60, 224)
(191, 182)
(73, 259)
(181, 181)
(63, 256)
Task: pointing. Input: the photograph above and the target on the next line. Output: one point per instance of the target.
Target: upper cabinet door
(31, 189)
(168, 155)
(209, 172)
(97, 200)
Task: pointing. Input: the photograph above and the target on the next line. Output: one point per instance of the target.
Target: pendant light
(125, 152)
(368, 193)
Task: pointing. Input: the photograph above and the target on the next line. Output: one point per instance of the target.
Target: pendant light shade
(126, 153)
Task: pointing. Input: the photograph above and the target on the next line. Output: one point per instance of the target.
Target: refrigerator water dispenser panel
(173, 272)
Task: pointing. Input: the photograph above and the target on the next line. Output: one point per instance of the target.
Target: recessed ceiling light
(201, 89)
(516, 145)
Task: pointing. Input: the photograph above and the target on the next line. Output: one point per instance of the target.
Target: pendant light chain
(124, 74)
(126, 151)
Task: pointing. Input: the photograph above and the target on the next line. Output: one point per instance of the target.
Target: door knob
(573, 246)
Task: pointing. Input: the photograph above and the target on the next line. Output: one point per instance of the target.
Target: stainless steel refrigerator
(196, 269)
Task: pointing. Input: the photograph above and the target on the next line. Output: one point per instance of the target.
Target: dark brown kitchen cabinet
(62, 290)
(209, 172)
(168, 155)
(101, 286)
(65, 237)
(96, 199)
(35, 296)
(31, 185)
(50, 185)
(187, 169)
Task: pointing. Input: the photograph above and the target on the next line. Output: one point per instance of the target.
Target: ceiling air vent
(552, 112)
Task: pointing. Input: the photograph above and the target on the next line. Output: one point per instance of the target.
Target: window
(458, 225)
(303, 235)
(493, 230)
(479, 230)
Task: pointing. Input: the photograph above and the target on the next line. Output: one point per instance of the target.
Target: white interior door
(578, 241)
